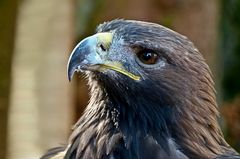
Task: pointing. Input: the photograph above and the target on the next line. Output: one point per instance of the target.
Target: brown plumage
(152, 96)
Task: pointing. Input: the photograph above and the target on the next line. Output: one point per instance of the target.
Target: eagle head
(150, 83)
(142, 58)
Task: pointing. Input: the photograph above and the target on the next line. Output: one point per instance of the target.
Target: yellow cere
(116, 66)
(105, 38)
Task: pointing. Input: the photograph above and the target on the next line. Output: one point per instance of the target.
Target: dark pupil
(148, 57)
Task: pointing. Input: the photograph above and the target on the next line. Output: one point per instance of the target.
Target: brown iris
(147, 57)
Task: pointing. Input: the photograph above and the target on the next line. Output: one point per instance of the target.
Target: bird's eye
(147, 57)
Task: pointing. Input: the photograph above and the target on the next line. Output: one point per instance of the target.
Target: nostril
(103, 48)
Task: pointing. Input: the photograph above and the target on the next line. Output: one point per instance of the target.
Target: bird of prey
(152, 97)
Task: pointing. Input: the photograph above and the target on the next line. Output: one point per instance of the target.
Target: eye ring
(147, 57)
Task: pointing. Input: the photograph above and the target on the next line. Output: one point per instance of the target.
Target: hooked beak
(91, 54)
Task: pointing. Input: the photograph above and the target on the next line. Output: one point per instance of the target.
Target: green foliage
(230, 47)
(87, 16)
(168, 21)
(230, 54)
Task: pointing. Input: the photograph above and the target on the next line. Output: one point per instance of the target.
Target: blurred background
(38, 105)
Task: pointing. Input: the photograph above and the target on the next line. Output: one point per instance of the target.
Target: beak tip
(69, 78)
(70, 75)
(69, 72)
